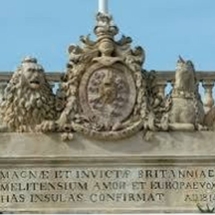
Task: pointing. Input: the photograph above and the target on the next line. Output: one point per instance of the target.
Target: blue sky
(165, 28)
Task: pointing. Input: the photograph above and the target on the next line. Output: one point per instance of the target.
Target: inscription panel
(138, 187)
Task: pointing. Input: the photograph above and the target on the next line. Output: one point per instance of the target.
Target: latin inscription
(106, 186)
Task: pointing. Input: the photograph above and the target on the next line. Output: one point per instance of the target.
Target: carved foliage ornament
(104, 87)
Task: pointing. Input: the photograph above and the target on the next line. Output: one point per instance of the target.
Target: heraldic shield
(104, 89)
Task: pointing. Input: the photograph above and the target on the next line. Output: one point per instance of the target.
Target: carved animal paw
(66, 128)
(67, 136)
(200, 127)
(150, 123)
(22, 129)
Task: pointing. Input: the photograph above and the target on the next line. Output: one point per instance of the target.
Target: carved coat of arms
(103, 87)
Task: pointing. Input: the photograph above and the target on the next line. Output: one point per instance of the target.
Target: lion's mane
(23, 108)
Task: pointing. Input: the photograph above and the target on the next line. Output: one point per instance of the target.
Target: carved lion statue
(186, 107)
(28, 99)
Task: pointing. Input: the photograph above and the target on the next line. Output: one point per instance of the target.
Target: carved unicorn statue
(185, 111)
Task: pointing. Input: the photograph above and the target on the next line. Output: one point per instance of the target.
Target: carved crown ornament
(104, 94)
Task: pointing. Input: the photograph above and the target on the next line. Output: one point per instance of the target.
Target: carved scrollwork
(104, 87)
(105, 93)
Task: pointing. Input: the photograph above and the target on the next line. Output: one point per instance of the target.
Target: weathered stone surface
(28, 99)
(170, 173)
(173, 144)
(182, 109)
(105, 90)
(105, 95)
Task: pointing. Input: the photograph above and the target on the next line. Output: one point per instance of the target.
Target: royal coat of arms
(104, 89)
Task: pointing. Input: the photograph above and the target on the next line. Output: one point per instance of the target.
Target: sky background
(164, 28)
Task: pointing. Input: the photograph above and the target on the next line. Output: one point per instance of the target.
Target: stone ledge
(161, 144)
(104, 211)
(45, 159)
